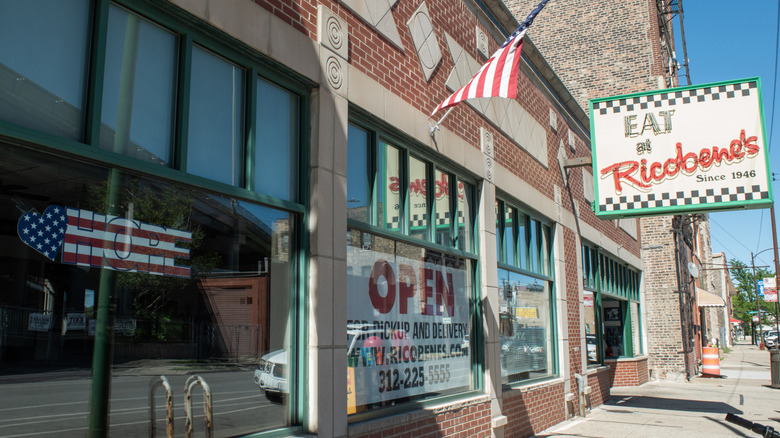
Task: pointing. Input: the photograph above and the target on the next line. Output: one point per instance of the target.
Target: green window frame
(610, 279)
(524, 243)
(381, 193)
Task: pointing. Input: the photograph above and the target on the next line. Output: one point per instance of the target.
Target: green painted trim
(183, 103)
(96, 69)
(300, 414)
(628, 330)
(250, 126)
(411, 406)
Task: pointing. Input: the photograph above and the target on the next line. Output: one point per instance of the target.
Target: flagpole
(435, 127)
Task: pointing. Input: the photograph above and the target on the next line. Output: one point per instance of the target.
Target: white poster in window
(39, 322)
(588, 298)
(76, 321)
(408, 325)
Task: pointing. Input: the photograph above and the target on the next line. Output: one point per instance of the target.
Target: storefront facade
(250, 192)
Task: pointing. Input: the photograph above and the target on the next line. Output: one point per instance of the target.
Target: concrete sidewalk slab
(687, 409)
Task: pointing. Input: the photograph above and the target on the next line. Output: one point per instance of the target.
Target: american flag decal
(105, 241)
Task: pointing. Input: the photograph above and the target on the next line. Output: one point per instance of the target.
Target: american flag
(498, 77)
(122, 244)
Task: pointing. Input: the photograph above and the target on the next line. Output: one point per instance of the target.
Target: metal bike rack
(191, 382)
(153, 385)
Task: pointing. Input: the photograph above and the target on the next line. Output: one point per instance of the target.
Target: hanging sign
(680, 150)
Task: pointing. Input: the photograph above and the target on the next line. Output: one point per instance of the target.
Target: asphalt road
(57, 405)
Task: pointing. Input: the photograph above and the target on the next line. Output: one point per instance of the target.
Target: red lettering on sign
(641, 176)
(383, 304)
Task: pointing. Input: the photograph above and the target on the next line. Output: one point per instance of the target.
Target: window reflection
(230, 316)
(276, 146)
(357, 174)
(389, 206)
(418, 198)
(139, 88)
(216, 124)
(524, 327)
(43, 59)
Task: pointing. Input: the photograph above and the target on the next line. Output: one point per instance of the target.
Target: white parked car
(770, 340)
(271, 375)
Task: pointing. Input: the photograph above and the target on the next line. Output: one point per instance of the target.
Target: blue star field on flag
(44, 232)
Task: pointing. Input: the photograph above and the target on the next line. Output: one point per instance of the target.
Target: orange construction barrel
(710, 361)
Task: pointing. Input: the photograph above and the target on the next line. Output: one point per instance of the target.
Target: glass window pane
(545, 250)
(218, 289)
(216, 125)
(43, 61)
(522, 241)
(533, 245)
(418, 198)
(358, 194)
(509, 235)
(591, 335)
(276, 141)
(390, 207)
(499, 231)
(139, 90)
(465, 216)
(525, 327)
(443, 214)
(408, 323)
(613, 329)
(586, 266)
(635, 327)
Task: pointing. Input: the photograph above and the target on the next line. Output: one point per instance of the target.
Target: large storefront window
(612, 303)
(409, 321)
(203, 284)
(114, 117)
(410, 273)
(526, 309)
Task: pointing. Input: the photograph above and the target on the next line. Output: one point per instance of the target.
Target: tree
(745, 301)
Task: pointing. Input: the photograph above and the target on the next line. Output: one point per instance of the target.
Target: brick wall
(598, 51)
(627, 372)
(467, 419)
(662, 308)
(534, 409)
(600, 383)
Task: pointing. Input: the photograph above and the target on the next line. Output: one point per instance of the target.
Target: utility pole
(756, 335)
(777, 262)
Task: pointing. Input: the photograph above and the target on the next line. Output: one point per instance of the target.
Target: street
(57, 404)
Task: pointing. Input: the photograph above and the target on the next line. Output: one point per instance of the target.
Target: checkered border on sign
(675, 98)
(420, 221)
(674, 199)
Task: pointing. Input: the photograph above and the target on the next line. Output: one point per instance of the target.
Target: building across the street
(255, 195)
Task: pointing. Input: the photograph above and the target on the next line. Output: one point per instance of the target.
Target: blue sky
(729, 40)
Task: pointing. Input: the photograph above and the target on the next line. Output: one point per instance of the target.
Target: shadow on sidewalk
(673, 404)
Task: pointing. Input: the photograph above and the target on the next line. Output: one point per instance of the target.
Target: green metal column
(102, 358)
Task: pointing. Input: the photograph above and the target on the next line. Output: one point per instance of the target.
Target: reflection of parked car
(590, 341)
(271, 375)
(770, 340)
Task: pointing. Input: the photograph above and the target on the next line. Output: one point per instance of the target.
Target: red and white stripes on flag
(498, 77)
(121, 244)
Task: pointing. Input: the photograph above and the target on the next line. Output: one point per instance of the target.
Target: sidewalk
(687, 409)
